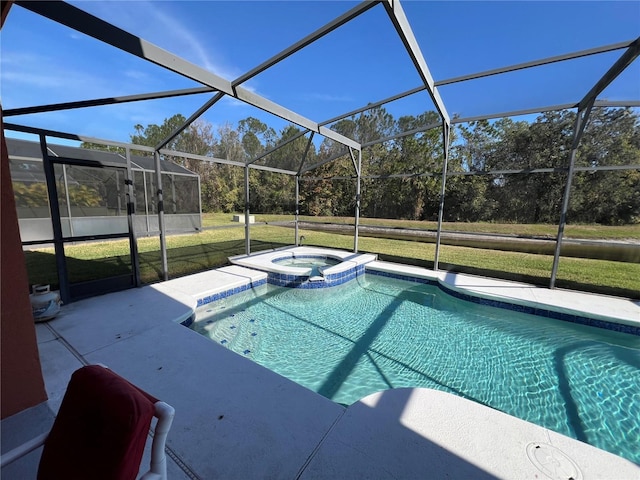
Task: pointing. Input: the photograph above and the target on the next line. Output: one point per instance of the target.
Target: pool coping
(206, 287)
(393, 434)
(449, 437)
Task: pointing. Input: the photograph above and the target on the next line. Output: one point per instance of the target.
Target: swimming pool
(376, 333)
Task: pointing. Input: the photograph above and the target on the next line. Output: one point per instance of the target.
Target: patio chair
(101, 430)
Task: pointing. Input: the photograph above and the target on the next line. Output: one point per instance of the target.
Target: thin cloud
(189, 43)
(27, 79)
(158, 24)
(30, 76)
(155, 22)
(136, 74)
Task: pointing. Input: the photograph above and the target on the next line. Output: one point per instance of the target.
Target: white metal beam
(627, 58)
(278, 146)
(279, 111)
(97, 28)
(224, 161)
(81, 21)
(80, 138)
(178, 130)
(323, 162)
(328, 28)
(399, 20)
(54, 107)
(309, 39)
(536, 63)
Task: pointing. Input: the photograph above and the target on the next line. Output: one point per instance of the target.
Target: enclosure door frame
(70, 291)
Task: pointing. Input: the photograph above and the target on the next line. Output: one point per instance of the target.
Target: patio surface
(236, 419)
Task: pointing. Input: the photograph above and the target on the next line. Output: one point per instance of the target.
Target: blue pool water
(306, 262)
(376, 333)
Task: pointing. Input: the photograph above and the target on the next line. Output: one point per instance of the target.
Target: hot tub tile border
(330, 280)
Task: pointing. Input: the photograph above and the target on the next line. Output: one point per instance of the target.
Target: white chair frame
(158, 468)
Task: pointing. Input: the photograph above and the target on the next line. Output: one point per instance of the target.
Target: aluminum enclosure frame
(81, 21)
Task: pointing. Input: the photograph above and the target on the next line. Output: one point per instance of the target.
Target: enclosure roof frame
(401, 23)
(81, 21)
(55, 107)
(70, 16)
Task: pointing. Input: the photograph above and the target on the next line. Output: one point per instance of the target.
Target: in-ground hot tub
(317, 263)
(306, 267)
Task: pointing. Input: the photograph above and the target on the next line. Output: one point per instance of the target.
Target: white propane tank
(44, 304)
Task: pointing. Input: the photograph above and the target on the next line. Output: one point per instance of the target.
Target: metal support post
(446, 130)
(118, 192)
(297, 208)
(163, 240)
(174, 204)
(58, 244)
(66, 193)
(199, 201)
(358, 169)
(247, 232)
(578, 129)
(146, 202)
(131, 217)
(306, 152)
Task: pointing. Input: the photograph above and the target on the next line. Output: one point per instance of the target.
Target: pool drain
(552, 462)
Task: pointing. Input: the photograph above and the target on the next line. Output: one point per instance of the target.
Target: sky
(361, 62)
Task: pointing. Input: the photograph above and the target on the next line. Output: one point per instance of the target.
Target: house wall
(21, 382)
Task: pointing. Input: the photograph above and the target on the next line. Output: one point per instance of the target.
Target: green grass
(588, 232)
(211, 248)
(576, 273)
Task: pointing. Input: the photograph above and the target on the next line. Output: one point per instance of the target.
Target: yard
(221, 238)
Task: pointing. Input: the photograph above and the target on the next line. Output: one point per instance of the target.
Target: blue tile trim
(542, 312)
(228, 293)
(296, 281)
(302, 281)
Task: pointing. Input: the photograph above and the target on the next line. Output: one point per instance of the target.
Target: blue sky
(363, 61)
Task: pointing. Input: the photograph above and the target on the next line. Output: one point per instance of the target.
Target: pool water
(305, 262)
(376, 333)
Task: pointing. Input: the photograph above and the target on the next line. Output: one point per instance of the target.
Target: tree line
(401, 177)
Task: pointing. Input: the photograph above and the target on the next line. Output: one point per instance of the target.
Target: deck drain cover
(552, 462)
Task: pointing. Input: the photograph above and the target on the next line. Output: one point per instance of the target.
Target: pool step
(240, 337)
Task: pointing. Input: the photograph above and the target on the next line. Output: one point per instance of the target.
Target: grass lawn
(211, 248)
(587, 232)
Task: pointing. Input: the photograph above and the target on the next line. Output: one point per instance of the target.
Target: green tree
(530, 197)
(406, 171)
(256, 137)
(337, 197)
(611, 138)
(153, 134)
(421, 155)
(275, 193)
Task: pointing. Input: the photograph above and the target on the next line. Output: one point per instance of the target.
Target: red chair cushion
(101, 429)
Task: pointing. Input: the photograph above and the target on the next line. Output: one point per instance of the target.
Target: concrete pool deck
(236, 419)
